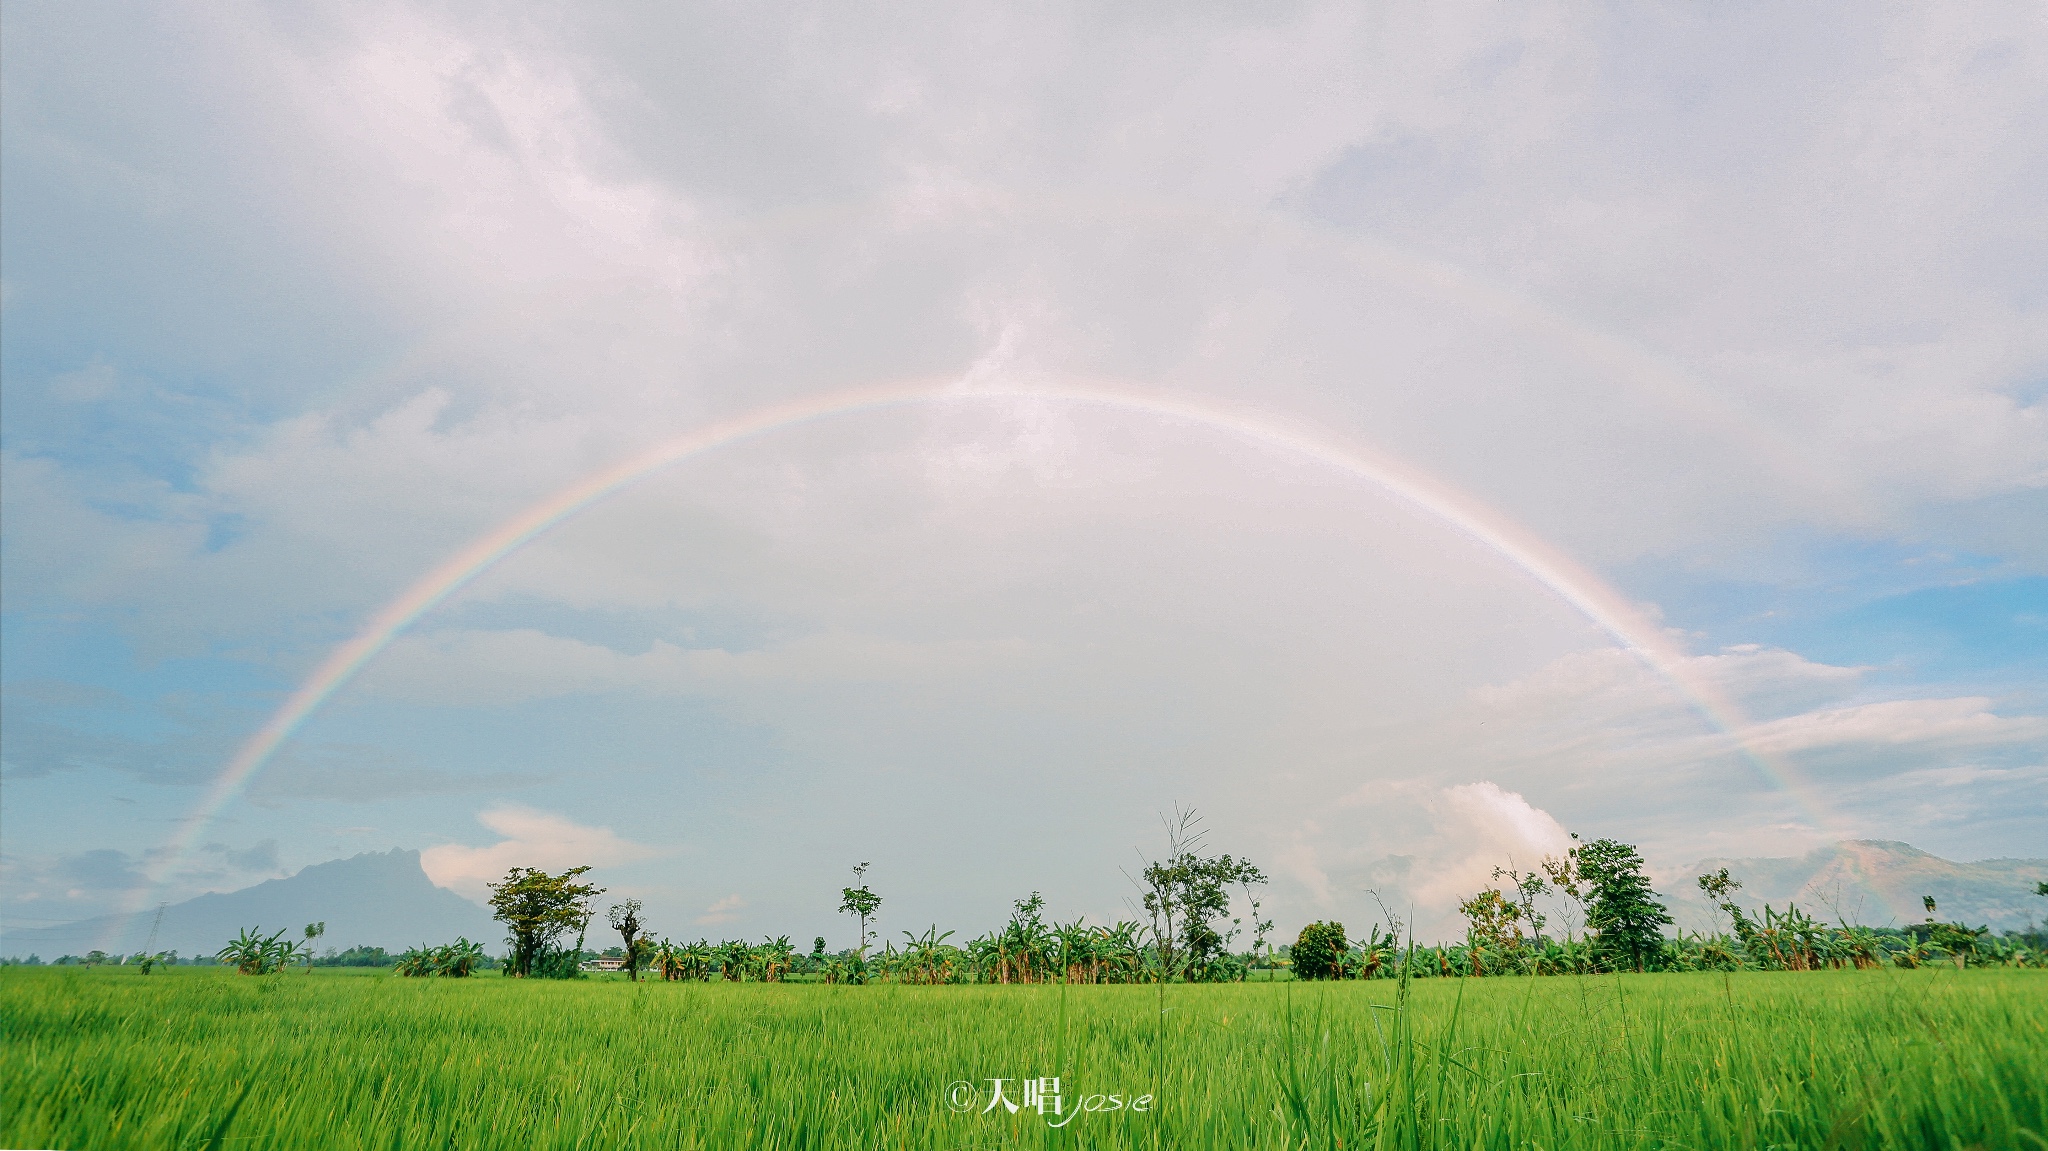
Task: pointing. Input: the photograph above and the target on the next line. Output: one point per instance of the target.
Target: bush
(359, 956)
(1319, 952)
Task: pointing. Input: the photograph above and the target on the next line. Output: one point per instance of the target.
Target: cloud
(1416, 849)
(467, 667)
(1731, 308)
(103, 868)
(724, 911)
(260, 857)
(1930, 725)
(65, 886)
(531, 839)
(1772, 681)
(1807, 710)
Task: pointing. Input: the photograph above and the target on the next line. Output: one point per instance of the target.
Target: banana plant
(253, 954)
(415, 962)
(458, 959)
(774, 957)
(928, 958)
(735, 959)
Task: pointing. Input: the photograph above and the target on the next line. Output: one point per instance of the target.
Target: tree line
(1612, 920)
(1597, 892)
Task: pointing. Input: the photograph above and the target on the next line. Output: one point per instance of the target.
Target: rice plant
(1883, 1057)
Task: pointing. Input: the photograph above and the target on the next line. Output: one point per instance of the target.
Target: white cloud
(724, 911)
(1606, 275)
(1420, 849)
(1807, 706)
(1925, 724)
(531, 839)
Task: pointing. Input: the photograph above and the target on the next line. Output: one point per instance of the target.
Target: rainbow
(1570, 582)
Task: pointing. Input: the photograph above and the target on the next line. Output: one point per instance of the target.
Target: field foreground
(198, 1058)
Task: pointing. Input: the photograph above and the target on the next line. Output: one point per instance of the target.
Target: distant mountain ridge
(1879, 883)
(377, 899)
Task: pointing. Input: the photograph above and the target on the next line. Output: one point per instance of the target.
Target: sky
(1716, 339)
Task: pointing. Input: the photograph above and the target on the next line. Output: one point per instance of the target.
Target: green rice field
(205, 1058)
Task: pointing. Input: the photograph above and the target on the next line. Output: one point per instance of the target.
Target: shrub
(1319, 952)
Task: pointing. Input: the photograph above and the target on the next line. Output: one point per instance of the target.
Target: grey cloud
(260, 857)
(102, 869)
(53, 727)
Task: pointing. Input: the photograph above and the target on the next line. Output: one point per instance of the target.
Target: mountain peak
(376, 898)
(1881, 882)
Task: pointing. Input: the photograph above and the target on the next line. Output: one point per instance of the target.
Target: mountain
(375, 899)
(1875, 882)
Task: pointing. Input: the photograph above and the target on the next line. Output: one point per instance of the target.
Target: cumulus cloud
(531, 839)
(1415, 850)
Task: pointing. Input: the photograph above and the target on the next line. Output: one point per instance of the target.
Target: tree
(1566, 881)
(1721, 888)
(1319, 951)
(1186, 893)
(1522, 891)
(313, 931)
(1623, 912)
(539, 909)
(1493, 920)
(625, 919)
(1259, 926)
(863, 903)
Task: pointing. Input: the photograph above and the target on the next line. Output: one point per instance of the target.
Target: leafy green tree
(859, 901)
(1319, 951)
(1622, 911)
(625, 919)
(539, 909)
(1185, 894)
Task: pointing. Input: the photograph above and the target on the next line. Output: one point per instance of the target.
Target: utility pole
(149, 949)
